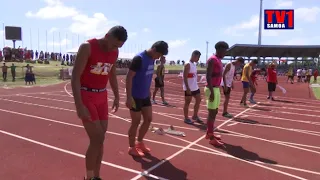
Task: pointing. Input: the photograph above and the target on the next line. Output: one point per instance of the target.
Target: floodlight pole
(260, 24)
(14, 44)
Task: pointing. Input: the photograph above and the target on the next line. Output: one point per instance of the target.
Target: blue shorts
(245, 84)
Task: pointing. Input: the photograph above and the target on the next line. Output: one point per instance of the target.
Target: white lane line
(185, 148)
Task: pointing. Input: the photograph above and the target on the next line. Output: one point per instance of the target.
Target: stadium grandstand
(298, 56)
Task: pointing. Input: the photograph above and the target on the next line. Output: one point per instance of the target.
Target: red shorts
(96, 103)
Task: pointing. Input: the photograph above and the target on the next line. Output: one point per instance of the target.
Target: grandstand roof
(252, 50)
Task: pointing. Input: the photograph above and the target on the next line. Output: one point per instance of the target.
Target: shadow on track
(240, 152)
(166, 170)
(248, 121)
(284, 101)
(260, 108)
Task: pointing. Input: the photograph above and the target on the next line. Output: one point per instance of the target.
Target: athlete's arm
(209, 75)
(79, 66)
(185, 75)
(134, 67)
(226, 70)
(114, 81)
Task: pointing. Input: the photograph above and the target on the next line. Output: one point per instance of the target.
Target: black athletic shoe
(94, 178)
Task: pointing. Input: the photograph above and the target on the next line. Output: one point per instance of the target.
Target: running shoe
(142, 147)
(165, 103)
(252, 101)
(93, 178)
(134, 151)
(227, 115)
(245, 105)
(188, 121)
(213, 136)
(216, 142)
(197, 119)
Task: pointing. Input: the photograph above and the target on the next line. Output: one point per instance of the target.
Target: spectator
(29, 77)
(13, 72)
(4, 72)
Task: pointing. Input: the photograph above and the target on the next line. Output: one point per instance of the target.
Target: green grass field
(45, 74)
(316, 90)
(48, 73)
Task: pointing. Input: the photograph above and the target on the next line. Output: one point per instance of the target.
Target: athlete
(247, 81)
(227, 83)
(315, 75)
(159, 81)
(138, 84)
(191, 88)
(254, 77)
(212, 91)
(93, 68)
(272, 80)
(290, 75)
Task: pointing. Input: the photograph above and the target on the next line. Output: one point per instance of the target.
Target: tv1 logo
(278, 19)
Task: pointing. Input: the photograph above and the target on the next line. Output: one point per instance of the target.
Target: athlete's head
(162, 60)
(272, 65)
(195, 56)
(158, 49)
(221, 48)
(115, 38)
(239, 61)
(254, 62)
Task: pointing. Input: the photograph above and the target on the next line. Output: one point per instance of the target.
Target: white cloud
(302, 41)
(53, 29)
(82, 24)
(283, 4)
(296, 41)
(268, 33)
(61, 43)
(173, 43)
(126, 55)
(132, 34)
(252, 23)
(54, 9)
(307, 14)
(91, 26)
(146, 30)
(177, 43)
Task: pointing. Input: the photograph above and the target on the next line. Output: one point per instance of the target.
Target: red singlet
(96, 72)
(96, 76)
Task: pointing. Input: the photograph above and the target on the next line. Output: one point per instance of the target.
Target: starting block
(180, 74)
(170, 131)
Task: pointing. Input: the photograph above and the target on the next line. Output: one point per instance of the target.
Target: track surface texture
(42, 138)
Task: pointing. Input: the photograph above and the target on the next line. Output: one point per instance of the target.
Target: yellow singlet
(247, 67)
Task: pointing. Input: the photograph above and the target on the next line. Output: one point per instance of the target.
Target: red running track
(41, 138)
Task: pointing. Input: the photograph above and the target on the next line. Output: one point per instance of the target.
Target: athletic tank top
(192, 78)
(217, 69)
(229, 75)
(141, 82)
(96, 72)
(243, 76)
(162, 71)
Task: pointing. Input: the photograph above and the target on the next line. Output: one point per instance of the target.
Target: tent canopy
(252, 50)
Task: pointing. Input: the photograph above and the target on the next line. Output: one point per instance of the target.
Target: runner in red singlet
(94, 66)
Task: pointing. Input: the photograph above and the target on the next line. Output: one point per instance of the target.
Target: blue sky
(185, 25)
